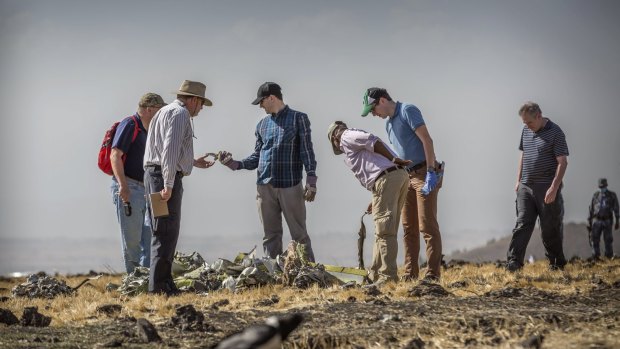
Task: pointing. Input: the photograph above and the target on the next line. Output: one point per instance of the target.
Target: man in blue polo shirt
(127, 187)
(542, 166)
(411, 139)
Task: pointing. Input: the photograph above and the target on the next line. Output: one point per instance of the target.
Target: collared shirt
(283, 147)
(133, 151)
(401, 132)
(169, 142)
(358, 148)
(540, 152)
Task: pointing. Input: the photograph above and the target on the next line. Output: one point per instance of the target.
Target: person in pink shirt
(380, 171)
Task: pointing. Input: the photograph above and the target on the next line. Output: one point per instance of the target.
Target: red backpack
(106, 146)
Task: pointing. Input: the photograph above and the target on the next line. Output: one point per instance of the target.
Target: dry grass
(578, 279)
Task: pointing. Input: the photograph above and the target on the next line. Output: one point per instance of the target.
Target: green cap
(371, 97)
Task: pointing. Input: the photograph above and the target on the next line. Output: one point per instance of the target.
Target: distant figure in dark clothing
(539, 184)
(603, 207)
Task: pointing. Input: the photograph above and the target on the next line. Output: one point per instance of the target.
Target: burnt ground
(432, 318)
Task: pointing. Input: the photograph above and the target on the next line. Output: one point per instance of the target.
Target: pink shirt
(360, 157)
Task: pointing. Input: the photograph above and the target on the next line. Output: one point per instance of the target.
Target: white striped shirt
(540, 152)
(169, 142)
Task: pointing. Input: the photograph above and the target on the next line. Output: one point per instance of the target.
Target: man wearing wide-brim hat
(169, 156)
(383, 173)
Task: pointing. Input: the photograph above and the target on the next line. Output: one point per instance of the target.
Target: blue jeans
(135, 229)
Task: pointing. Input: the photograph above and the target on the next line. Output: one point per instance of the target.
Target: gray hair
(530, 108)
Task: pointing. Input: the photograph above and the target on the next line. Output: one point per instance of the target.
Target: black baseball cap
(267, 89)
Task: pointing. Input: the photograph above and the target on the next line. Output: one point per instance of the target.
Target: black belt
(416, 167)
(388, 170)
(158, 168)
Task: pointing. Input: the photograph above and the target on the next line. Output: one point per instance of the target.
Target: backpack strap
(136, 128)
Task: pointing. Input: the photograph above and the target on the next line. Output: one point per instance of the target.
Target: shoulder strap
(136, 128)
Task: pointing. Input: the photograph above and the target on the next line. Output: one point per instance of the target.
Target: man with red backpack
(126, 158)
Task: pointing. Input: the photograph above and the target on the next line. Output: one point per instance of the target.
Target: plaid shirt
(283, 146)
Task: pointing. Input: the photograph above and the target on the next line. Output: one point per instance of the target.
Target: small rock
(459, 284)
(351, 299)
(371, 290)
(146, 331)
(32, 317)
(268, 301)
(221, 303)
(109, 309)
(415, 343)
(114, 343)
(534, 341)
(379, 302)
(425, 288)
(7, 317)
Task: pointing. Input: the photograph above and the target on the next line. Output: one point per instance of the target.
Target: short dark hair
(378, 92)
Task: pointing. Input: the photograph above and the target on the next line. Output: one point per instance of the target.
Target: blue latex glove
(430, 182)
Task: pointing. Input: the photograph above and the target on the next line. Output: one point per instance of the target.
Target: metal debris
(183, 263)
(42, 287)
(136, 282)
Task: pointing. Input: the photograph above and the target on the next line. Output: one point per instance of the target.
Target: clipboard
(159, 207)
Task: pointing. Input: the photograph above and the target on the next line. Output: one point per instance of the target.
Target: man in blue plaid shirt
(283, 147)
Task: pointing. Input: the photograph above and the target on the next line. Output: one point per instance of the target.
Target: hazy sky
(71, 68)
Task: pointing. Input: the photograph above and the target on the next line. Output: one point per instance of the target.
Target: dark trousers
(602, 227)
(165, 232)
(530, 206)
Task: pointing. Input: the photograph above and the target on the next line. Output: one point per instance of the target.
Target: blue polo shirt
(134, 151)
(401, 132)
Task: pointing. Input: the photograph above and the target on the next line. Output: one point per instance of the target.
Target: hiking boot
(513, 267)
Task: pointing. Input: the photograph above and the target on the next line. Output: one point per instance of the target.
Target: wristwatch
(430, 169)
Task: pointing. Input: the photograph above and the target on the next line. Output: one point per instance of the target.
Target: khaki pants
(388, 197)
(273, 203)
(420, 216)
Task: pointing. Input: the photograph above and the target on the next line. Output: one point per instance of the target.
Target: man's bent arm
(427, 142)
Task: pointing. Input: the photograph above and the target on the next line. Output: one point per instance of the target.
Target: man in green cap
(411, 140)
(127, 187)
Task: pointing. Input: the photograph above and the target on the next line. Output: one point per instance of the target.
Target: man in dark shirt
(127, 187)
(539, 183)
(283, 148)
(603, 207)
